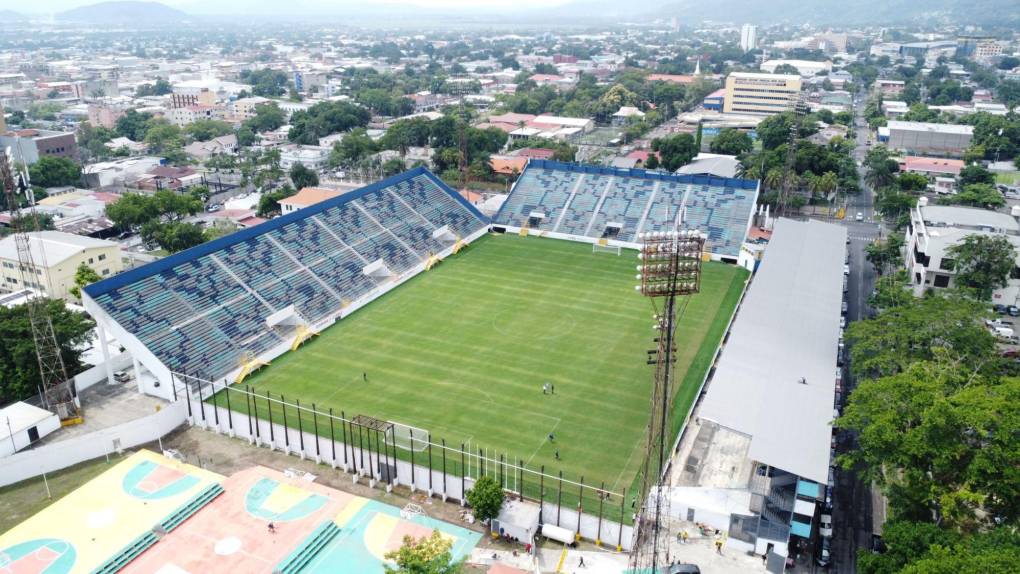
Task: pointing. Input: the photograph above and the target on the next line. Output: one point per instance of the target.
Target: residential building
(309, 80)
(244, 108)
(118, 173)
(890, 87)
(223, 145)
(715, 100)
(307, 196)
(204, 97)
(28, 145)
(748, 37)
(169, 177)
(922, 138)
(805, 68)
(191, 114)
(767, 94)
(755, 459)
(56, 256)
(623, 115)
(931, 166)
(933, 229)
(106, 114)
(312, 157)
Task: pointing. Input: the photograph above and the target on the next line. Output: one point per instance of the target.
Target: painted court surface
(118, 515)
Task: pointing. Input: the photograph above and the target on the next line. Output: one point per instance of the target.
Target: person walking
(683, 536)
(364, 376)
(557, 454)
(581, 563)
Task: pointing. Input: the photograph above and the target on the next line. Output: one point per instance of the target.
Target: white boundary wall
(50, 457)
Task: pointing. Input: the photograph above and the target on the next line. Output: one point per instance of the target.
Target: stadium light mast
(57, 391)
(670, 269)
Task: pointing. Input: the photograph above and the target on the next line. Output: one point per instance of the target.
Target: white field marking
(543, 440)
(624, 468)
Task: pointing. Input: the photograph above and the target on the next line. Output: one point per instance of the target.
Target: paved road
(851, 497)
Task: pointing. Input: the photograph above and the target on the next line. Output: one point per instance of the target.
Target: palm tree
(774, 178)
(826, 183)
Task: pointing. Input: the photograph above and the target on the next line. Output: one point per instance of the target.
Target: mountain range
(122, 12)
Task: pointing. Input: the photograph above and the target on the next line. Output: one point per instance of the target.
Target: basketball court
(108, 520)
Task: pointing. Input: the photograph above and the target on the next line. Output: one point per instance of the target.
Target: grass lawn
(463, 351)
(1008, 178)
(23, 499)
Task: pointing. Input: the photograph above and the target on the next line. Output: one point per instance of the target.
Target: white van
(1003, 332)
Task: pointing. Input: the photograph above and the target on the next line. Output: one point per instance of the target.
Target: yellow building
(752, 93)
(56, 256)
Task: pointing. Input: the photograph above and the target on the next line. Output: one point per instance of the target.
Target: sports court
(231, 534)
(109, 520)
(465, 350)
(150, 514)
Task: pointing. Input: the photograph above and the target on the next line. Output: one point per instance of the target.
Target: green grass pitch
(464, 349)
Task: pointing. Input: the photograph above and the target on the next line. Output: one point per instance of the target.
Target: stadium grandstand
(211, 310)
(612, 206)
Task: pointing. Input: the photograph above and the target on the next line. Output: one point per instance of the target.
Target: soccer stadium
(402, 307)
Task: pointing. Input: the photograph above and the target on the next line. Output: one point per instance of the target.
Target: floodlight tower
(670, 269)
(56, 391)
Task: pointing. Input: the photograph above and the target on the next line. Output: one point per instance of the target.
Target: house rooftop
(310, 196)
(54, 247)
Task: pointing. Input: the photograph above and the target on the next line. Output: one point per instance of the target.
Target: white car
(846, 270)
(860, 216)
(825, 526)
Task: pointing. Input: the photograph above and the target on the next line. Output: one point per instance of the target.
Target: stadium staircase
(127, 554)
(316, 541)
(191, 507)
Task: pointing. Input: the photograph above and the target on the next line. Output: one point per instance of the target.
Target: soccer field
(463, 351)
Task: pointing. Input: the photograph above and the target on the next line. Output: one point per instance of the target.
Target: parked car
(823, 556)
(846, 270)
(684, 569)
(1013, 311)
(1000, 309)
(825, 526)
(842, 322)
(121, 376)
(860, 216)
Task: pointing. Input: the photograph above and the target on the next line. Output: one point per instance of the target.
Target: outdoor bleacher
(580, 201)
(200, 311)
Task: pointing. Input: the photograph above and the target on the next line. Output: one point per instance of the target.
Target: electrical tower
(670, 271)
(800, 109)
(56, 390)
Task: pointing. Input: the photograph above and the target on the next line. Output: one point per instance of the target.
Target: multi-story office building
(750, 93)
(748, 37)
(56, 256)
(28, 145)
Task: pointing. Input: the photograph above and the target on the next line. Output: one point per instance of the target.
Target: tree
(653, 161)
(786, 69)
(978, 195)
(424, 556)
(972, 174)
(906, 334)
(905, 542)
(133, 125)
(882, 169)
(53, 171)
(731, 141)
(83, 276)
(173, 236)
(983, 262)
(393, 166)
(205, 130)
(912, 182)
(269, 203)
(160, 88)
(163, 136)
(134, 210)
(883, 254)
(774, 130)
(355, 146)
(266, 82)
(303, 177)
(326, 118)
(486, 498)
(19, 368)
(1009, 93)
(675, 151)
(267, 117)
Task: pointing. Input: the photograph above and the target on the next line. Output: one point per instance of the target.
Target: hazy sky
(58, 5)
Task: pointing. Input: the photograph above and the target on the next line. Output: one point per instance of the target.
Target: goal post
(407, 437)
(603, 246)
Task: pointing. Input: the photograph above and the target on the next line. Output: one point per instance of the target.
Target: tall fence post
(187, 396)
(332, 438)
(602, 499)
(580, 497)
(429, 439)
(394, 479)
(286, 427)
(216, 411)
(272, 427)
(541, 492)
(255, 409)
(315, 430)
(623, 504)
(559, 499)
(300, 428)
(413, 481)
(361, 449)
(201, 402)
(230, 416)
(520, 483)
(247, 409)
(343, 433)
(444, 469)
(463, 473)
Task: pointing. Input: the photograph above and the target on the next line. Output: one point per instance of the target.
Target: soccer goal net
(408, 437)
(603, 246)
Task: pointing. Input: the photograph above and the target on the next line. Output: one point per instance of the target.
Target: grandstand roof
(155, 267)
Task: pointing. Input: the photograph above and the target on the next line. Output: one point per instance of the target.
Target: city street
(851, 498)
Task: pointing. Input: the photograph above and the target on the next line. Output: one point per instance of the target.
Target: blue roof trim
(128, 277)
(637, 173)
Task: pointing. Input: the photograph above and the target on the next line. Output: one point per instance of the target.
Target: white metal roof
(787, 330)
(930, 127)
(21, 416)
(57, 246)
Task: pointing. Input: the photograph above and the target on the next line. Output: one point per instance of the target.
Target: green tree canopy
(431, 555)
(83, 276)
(983, 262)
(205, 130)
(53, 171)
(731, 141)
(972, 174)
(133, 125)
(266, 82)
(303, 177)
(675, 151)
(978, 195)
(486, 498)
(883, 254)
(326, 118)
(173, 236)
(19, 368)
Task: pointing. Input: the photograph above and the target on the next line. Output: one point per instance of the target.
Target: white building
(806, 68)
(923, 138)
(312, 157)
(56, 257)
(934, 229)
(748, 37)
(21, 424)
